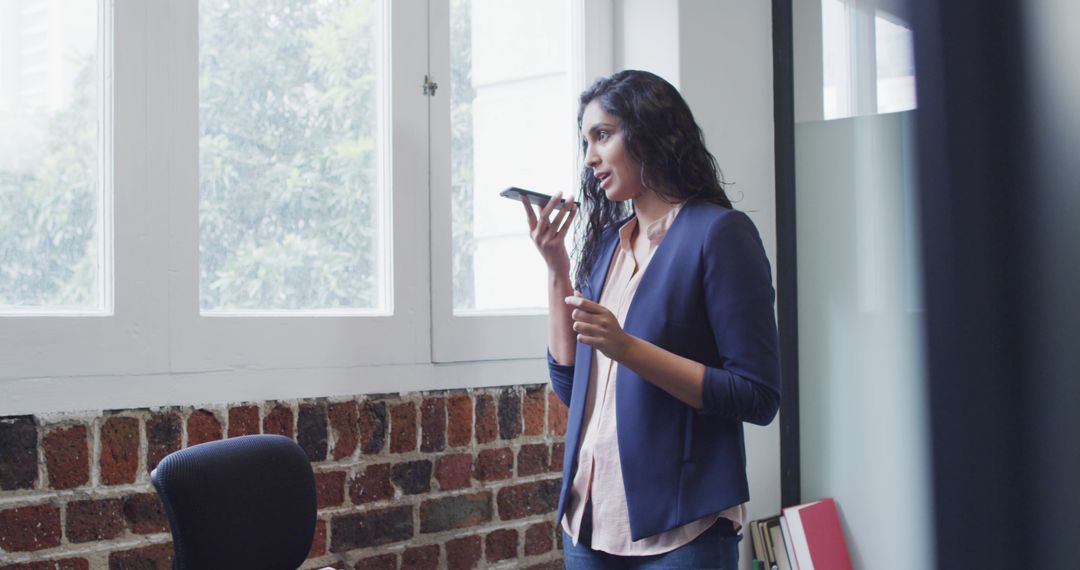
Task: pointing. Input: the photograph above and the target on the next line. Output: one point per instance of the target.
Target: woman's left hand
(597, 327)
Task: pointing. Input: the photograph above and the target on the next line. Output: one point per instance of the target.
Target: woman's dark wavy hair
(659, 132)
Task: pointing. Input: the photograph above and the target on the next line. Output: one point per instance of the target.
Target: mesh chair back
(245, 502)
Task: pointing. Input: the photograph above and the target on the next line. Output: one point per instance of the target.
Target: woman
(664, 344)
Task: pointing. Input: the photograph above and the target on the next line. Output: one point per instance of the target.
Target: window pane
(836, 58)
(895, 66)
(290, 156)
(513, 119)
(51, 194)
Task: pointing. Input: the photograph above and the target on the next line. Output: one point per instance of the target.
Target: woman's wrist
(626, 348)
(559, 275)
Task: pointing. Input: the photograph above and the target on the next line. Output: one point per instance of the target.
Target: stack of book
(804, 537)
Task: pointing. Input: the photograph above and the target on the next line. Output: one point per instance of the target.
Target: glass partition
(861, 398)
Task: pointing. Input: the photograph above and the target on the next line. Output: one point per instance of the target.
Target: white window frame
(224, 342)
(94, 342)
(154, 348)
(480, 336)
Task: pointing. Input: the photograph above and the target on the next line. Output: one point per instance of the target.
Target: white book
(794, 562)
(779, 548)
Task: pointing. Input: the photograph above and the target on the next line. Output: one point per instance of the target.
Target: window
(836, 59)
(895, 64)
(53, 172)
(515, 71)
(292, 156)
(256, 199)
(867, 60)
(512, 120)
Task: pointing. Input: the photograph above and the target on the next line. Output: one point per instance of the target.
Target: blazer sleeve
(739, 297)
(562, 378)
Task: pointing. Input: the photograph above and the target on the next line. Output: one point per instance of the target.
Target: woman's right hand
(549, 234)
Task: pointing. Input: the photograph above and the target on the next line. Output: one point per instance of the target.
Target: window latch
(429, 86)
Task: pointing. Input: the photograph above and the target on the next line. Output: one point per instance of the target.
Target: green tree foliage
(49, 206)
(461, 156)
(288, 118)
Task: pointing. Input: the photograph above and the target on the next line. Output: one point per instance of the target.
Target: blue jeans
(716, 548)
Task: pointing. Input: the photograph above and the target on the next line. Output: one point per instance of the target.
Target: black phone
(535, 198)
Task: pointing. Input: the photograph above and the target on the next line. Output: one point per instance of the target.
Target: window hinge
(429, 86)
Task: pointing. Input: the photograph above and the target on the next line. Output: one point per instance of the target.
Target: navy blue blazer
(706, 295)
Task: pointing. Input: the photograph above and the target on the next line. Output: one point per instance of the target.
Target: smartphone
(535, 198)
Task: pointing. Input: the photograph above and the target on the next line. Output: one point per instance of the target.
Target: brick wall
(448, 479)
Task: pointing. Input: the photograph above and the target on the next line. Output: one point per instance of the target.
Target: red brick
(533, 411)
(501, 545)
(145, 514)
(372, 485)
(528, 499)
(558, 450)
(119, 450)
(532, 459)
(330, 488)
(343, 420)
(163, 433)
(433, 425)
(156, 557)
(29, 528)
(243, 420)
(454, 471)
(380, 562)
(459, 420)
(487, 424)
(62, 564)
(421, 557)
(556, 415)
(494, 464)
(463, 553)
(318, 542)
(373, 425)
(67, 457)
(403, 428)
(279, 421)
(94, 520)
(538, 538)
(202, 426)
(510, 413)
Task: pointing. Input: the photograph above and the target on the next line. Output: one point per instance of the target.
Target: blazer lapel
(583, 362)
(646, 289)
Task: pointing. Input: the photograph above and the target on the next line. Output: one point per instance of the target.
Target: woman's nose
(591, 158)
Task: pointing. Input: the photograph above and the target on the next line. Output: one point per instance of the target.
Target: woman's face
(606, 154)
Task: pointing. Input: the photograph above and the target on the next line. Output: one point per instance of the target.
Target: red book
(816, 537)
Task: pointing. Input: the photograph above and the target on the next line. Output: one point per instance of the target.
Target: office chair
(245, 502)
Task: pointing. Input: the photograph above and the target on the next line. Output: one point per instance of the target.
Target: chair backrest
(245, 502)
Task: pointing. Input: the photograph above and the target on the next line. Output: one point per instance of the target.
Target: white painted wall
(647, 37)
(719, 55)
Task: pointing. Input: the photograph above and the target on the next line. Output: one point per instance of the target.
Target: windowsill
(56, 395)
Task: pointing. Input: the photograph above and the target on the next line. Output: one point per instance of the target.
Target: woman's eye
(602, 135)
